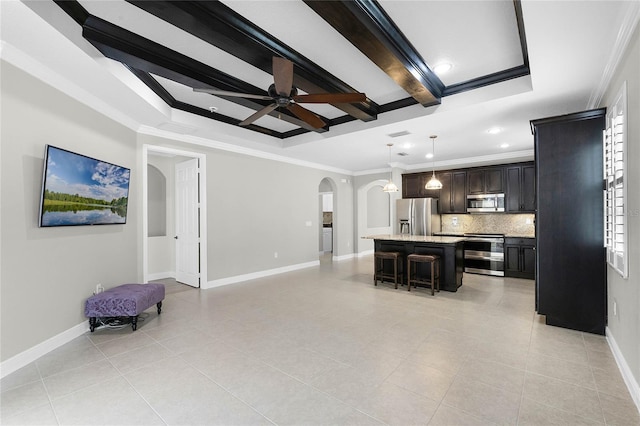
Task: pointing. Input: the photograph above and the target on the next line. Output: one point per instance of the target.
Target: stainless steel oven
(484, 254)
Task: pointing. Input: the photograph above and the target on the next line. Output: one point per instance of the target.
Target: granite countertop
(460, 234)
(416, 238)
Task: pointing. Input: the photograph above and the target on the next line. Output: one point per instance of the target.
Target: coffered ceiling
(511, 61)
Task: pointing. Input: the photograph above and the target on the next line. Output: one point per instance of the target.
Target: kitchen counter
(460, 234)
(450, 250)
(417, 238)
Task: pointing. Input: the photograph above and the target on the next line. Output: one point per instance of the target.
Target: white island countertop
(416, 238)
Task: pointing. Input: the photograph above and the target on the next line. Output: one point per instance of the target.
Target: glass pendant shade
(433, 183)
(390, 187)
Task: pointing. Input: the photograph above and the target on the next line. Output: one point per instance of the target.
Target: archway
(375, 214)
(327, 219)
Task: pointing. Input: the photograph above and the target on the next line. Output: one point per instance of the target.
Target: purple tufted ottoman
(126, 300)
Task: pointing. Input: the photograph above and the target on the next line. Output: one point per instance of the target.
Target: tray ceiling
(512, 61)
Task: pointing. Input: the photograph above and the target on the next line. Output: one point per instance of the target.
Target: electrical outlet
(99, 288)
(454, 221)
(615, 308)
(275, 254)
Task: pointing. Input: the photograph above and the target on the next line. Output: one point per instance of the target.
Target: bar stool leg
(433, 278)
(395, 273)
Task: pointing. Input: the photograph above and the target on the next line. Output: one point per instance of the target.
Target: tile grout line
(130, 385)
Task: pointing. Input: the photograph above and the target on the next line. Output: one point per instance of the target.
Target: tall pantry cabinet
(570, 266)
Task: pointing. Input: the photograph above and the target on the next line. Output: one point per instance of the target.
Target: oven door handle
(485, 240)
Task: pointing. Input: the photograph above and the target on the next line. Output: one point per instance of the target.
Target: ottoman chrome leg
(159, 305)
(92, 323)
(134, 322)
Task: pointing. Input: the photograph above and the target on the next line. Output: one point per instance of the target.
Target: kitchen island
(450, 250)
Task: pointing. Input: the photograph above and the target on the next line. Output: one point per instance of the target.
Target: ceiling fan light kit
(284, 94)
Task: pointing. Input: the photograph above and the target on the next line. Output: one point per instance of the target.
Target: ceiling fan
(285, 95)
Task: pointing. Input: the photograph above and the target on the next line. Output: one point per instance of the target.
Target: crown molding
(223, 146)
(629, 23)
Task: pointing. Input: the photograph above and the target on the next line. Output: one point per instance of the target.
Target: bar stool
(379, 274)
(413, 260)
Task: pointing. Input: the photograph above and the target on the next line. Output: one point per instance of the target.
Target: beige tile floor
(324, 346)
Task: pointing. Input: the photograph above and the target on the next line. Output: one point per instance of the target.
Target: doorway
(199, 251)
(327, 221)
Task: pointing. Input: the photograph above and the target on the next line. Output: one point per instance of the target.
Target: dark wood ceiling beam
(222, 27)
(143, 54)
(367, 26)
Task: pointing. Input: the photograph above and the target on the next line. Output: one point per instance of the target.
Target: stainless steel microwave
(485, 203)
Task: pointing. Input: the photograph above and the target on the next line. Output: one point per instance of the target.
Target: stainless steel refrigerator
(417, 216)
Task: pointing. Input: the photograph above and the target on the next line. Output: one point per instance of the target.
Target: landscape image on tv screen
(80, 190)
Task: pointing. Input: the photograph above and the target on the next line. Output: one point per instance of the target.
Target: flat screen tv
(80, 190)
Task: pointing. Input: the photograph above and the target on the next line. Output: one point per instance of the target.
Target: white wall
(624, 328)
(47, 273)
(257, 207)
(364, 184)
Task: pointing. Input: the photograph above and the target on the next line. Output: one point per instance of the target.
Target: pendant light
(390, 186)
(433, 183)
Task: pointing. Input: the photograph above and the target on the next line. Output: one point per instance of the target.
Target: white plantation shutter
(615, 228)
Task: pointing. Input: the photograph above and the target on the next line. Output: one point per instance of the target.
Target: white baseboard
(343, 257)
(161, 275)
(365, 253)
(22, 359)
(260, 274)
(627, 375)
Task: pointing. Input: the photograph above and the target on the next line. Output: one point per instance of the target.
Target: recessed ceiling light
(429, 155)
(442, 67)
(494, 130)
(504, 145)
(407, 145)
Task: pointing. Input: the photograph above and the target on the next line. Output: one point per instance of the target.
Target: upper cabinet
(413, 186)
(453, 195)
(520, 196)
(516, 181)
(488, 180)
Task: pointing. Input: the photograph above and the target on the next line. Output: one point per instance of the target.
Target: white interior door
(187, 223)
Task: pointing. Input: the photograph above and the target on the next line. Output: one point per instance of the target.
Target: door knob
(175, 238)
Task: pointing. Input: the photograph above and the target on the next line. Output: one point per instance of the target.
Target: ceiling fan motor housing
(280, 99)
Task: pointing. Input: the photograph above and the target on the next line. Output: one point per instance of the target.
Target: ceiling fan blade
(264, 111)
(282, 75)
(235, 94)
(307, 116)
(330, 98)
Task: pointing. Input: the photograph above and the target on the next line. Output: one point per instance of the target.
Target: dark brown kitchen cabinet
(520, 257)
(453, 195)
(571, 284)
(520, 194)
(413, 185)
(485, 180)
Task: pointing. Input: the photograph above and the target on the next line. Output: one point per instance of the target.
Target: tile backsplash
(501, 223)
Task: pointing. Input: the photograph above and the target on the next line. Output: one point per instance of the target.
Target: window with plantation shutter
(615, 228)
